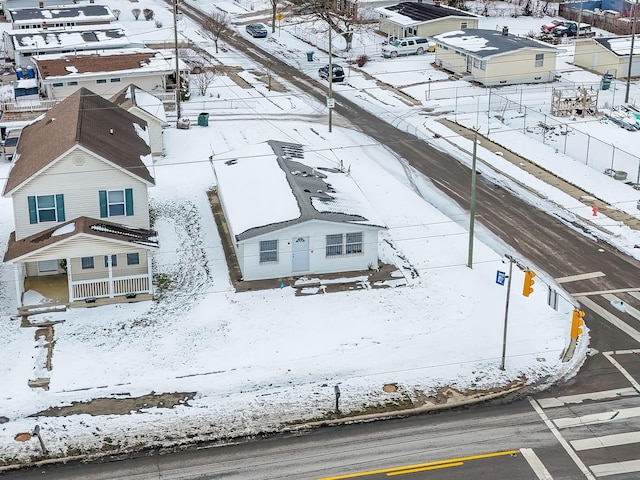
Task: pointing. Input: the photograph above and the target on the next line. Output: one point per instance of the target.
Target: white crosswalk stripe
(595, 420)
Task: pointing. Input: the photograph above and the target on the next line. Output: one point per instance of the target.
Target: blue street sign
(500, 277)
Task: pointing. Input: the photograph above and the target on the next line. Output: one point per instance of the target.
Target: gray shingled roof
(306, 184)
(86, 119)
(425, 12)
(488, 43)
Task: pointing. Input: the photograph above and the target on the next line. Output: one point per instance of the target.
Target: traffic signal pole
(506, 311)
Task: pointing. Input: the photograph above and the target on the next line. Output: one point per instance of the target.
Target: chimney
(505, 30)
(40, 4)
(437, 2)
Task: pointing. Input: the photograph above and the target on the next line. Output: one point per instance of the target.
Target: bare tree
(216, 24)
(202, 77)
(136, 13)
(340, 16)
(274, 11)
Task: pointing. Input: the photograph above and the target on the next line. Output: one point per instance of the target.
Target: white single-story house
(21, 45)
(608, 55)
(290, 212)
(60, 16)
(417, 19)
(147, 107)
(106, 73)
(493, 57)
(90, 233)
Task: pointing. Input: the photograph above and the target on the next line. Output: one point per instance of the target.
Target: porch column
(17, 278)
(150, 272)
(69, 281)
(110, 281)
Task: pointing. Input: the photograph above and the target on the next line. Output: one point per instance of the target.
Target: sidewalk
(587, 198)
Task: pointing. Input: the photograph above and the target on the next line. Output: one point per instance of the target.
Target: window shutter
(33, 214)
(128, 201)
(60, 207)
(103, 204)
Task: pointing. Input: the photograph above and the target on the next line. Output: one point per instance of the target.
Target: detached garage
(609, 55)
(289, 212)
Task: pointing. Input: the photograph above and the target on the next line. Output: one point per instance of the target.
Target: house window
(347, 244)
(133, 259)
(464, 25)
(476, 63)
(269, 251)
(57, 84)
(334, 245)
(101, 80)
(115, 203)
(114, 261)
(87, 262)
(115, 80)
(72, 84)
(539, 59)
(353, 243)
(46, 208)
(483, 65)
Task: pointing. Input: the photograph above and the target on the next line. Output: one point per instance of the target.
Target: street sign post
(500, 277)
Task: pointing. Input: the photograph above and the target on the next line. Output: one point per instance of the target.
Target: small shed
(290, 212)
(609, 55)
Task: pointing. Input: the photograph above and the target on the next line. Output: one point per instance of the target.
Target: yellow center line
(424, 469)
(422, 465)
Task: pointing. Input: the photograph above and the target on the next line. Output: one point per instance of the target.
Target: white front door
(48, 267)
(300, 254)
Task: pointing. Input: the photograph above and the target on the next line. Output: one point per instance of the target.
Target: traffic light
(528, 283)
(576, 323)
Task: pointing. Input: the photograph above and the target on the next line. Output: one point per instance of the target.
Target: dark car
(257, 30)
(338, 72)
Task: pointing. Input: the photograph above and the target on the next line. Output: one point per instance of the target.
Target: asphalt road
(459, 441)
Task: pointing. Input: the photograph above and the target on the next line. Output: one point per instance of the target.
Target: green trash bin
(203, 119)
(606, 81)
(309, 56)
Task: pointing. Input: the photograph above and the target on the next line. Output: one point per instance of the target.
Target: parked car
(407, 46)
(548, 27)
(570, 29)
(257, 30)
(10, 144)
(338, 72)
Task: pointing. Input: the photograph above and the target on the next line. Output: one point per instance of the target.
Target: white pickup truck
(407, 46)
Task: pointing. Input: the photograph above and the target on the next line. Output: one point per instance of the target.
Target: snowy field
(250, 362)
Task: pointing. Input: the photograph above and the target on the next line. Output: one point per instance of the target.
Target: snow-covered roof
(415, 13)
(80, 37)
(277, 184)
(134, 96)
(489, 43)
(63, 13)
(88, 64)
(620, 46)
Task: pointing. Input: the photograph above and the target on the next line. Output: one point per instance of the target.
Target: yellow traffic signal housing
(577, 323)
(528, 283)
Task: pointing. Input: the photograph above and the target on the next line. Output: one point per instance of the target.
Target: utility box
(203, 119)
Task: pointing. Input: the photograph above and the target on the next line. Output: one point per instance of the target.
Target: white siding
(155, 129)
(83, 246)
(80, 185)
(248, 251)
(149, 82)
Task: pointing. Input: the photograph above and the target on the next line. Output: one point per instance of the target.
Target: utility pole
(633, 38)
(330, 77)
(175, 48)
(506, 311)
(472, 207)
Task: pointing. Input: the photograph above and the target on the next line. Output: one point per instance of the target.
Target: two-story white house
(80, 203)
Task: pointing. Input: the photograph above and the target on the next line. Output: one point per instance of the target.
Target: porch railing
(100, 288)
